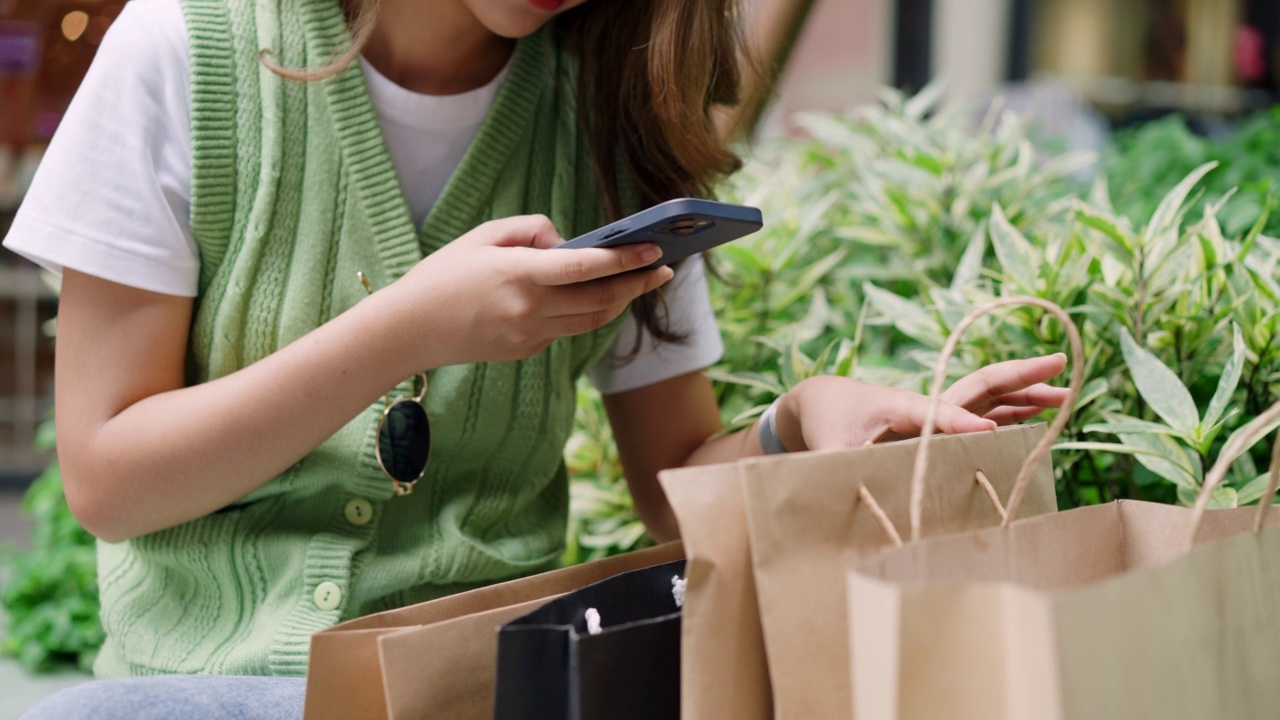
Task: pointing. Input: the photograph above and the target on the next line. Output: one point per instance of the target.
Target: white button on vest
(359, 511)
(328, 596)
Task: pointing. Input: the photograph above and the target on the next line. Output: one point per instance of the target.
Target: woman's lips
(547, 4)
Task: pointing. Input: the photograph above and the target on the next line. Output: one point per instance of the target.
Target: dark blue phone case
(681, 227)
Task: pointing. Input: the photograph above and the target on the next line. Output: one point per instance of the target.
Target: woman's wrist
(783, 418)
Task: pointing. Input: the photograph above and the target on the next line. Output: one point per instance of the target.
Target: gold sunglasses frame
(403, 487)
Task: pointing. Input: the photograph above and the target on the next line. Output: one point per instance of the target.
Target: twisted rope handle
(981, 477)
(882, 518)
(1041, 449)
(1243, 440)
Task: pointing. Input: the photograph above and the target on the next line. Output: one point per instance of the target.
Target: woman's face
(518, 18)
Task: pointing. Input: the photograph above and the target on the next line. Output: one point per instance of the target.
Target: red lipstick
(549, 5)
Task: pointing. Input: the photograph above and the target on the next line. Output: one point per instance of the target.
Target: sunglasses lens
(404, 441)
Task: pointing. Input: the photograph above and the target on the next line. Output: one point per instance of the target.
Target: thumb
(955, 420)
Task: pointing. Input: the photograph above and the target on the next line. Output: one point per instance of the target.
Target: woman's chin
(515, 19)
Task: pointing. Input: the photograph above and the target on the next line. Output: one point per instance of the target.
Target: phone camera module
(686, 227)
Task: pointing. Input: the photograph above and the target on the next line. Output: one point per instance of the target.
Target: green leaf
(824, 128)
(1100, 194)
(815, 320)
(745, 256)
(1016, 255)
(1253, 490)
(1091, 391)
(1261, 433)
(804, 284)
(925, 101)
(1229, 380)
(1171, 206)
(1160, 387)
(845, 358)
(1129, 426)
(759, 381)
(1101, 447)
(750, 413)
(908, 317)
(1223, 497)
(1167, 458)
(1255, 232)
(1115, 234)
(869, 236)
(970, 266)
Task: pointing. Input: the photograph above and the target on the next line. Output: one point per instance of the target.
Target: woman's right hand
(499, 293)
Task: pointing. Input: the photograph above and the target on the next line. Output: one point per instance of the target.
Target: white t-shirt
(112, 197)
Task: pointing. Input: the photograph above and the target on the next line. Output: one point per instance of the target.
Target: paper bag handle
(1244, 439)
(1040, 450)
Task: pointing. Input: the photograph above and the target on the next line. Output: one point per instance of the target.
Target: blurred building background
(45, 48)
(1111, 63)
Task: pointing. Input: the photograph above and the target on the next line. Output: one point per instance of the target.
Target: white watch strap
(768, 429)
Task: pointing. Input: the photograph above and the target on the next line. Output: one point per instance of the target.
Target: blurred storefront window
(46, 47)
(1137, 59)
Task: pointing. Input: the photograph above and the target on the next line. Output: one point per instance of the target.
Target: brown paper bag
(722, 662)
(436, 659)
(1100, 612)
(812, 516)
(724, 668)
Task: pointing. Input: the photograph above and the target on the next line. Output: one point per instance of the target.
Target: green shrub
(1140, 162)
(885, 226)
(1180, 329)
(50, 593)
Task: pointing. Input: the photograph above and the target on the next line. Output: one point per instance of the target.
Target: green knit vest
(293, 193)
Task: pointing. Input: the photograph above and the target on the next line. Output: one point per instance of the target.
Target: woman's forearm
(161, 454)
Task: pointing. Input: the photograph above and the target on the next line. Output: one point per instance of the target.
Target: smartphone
(681, 227)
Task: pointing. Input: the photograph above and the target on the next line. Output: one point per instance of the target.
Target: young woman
(229, 177)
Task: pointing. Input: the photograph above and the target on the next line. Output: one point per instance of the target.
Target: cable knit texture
(293, 193)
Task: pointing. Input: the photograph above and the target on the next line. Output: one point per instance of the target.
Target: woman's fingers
(908, 417)
(554, 268)
(606, 294)
(984, 389)
(953, 420)
(1039, 396)
(562, 267)
(1013, 415)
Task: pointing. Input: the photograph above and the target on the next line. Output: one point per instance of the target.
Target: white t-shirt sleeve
(111, 197)
(689, 305)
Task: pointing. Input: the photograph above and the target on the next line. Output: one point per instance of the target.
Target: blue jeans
(207, 697)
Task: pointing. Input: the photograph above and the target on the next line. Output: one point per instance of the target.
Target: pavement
(20, 689)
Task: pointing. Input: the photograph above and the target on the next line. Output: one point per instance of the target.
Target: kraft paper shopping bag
(810, 517)
(437, 659)
(813, 520)
(1124, 610)
(723, 671)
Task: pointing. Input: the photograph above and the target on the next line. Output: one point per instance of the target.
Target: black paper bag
(551, 667)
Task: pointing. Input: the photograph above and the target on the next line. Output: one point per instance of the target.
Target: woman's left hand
(827, 412)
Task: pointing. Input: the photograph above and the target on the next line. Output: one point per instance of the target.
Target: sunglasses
(404, 434)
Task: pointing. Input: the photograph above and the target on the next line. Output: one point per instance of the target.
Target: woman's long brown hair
(652, 71)
(651, 74)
